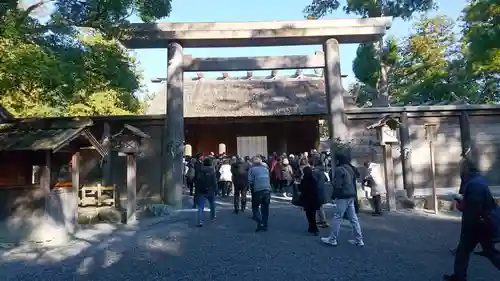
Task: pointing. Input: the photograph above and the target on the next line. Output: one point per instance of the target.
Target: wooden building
(251, 115)
(36, 155)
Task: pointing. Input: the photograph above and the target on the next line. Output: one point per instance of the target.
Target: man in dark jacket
(239, 170)
(344, 194)
(478, 203)
(205, 186)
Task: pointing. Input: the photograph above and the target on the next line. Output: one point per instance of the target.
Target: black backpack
(204, 180)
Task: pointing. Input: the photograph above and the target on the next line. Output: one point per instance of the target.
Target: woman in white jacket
(375, 181)
(226, 178)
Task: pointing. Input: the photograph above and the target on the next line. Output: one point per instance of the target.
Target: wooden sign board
(387, 135)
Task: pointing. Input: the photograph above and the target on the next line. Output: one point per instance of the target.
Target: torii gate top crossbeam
(250, 34)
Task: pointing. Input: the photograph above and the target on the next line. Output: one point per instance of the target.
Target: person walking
(344, 195)
(312, 191)
(226, 178)
(198, 165)
(205, 188)
(319, 169)
(239, 170)
(190, 175)
(478, 225)
(285, 177)
(259, 182)
(375, 181)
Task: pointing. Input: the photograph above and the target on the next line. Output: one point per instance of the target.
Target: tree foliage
(432, 64)
(426, 61)
(370, 8)
(55, 67)
(482, 35)
(375, 53)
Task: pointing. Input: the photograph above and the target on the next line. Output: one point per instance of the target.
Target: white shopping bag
(367, 192)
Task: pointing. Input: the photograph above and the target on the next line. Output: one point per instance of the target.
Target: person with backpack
(198, 164)
(344, 195)
(480, 221)
(190, 174)
(239, 170)
(205, 187)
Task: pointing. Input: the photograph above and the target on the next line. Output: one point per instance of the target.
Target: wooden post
(465, 133)
(335, 95)
(75, 172)
(75, 182)
(107, 179)
(131, 188)
(46, 173)
(389, 177)
(430, 136)
(433, 177)
(174, 145)
(404, 136)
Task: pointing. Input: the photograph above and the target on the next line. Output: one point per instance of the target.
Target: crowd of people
(304, 178)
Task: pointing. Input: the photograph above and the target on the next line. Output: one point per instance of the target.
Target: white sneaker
(356, 243)
(329, 241)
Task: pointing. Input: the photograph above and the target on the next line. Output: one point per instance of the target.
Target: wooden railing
(97, 196)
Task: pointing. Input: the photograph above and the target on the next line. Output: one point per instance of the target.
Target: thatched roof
(45, 134)
(243, 97)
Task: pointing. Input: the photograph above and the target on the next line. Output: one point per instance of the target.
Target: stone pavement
(402, 246)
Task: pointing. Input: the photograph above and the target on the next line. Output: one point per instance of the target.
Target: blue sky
(153, 62)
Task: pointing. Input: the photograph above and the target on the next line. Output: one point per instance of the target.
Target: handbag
(297, 200)
(493, 220)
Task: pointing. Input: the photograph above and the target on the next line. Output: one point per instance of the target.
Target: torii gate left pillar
(173, 145)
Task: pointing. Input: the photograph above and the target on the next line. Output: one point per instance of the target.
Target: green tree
(373, 8)
(107, 16)
(428, 61)
(481, 38)
(57, 68)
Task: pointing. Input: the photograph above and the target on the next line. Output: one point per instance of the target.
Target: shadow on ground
(404, 245)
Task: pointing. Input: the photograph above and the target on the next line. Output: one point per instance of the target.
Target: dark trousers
(190, 185)
(260, 207)
(227, 186)
(311, 219)
(283, 186)
(469, 238)
(240, 194)
(377, 204)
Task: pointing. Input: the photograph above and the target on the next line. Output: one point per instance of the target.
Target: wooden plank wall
(485, 133)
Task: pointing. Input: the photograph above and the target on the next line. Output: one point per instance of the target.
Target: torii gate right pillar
(336, 120)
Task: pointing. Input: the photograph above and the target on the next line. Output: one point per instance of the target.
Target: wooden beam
(253, 63)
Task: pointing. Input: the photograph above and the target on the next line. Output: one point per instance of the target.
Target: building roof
(240, 98)
(45, 134)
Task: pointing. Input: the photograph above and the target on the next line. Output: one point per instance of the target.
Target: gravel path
(402, 246)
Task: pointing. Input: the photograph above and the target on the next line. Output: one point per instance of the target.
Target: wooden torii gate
(177, 36)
